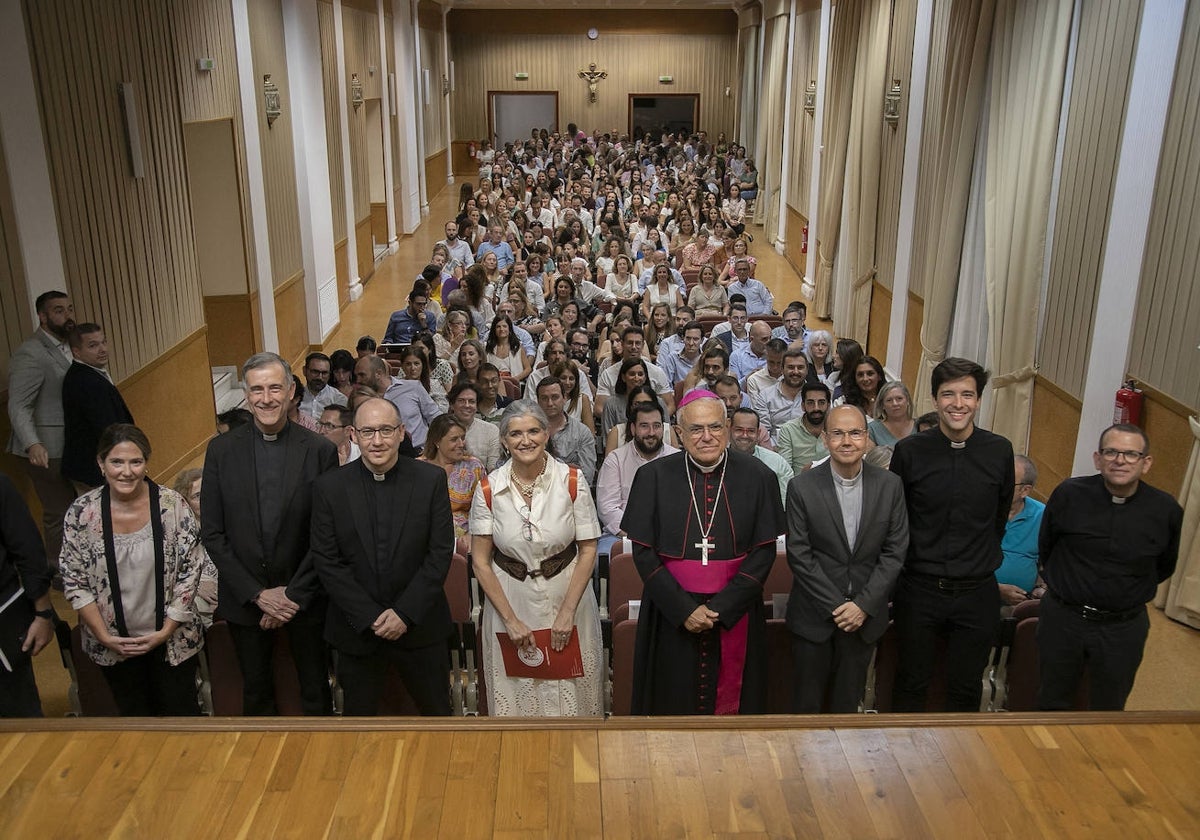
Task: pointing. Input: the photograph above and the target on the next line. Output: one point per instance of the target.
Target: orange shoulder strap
(573, 483)
(487, 491)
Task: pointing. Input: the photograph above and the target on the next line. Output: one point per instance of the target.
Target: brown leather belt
(550, 567)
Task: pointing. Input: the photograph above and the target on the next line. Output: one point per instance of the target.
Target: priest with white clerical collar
(703, 523)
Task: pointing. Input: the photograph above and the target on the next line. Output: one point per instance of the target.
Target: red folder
(542, 662)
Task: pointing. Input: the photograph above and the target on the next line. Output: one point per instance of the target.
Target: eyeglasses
(697, 432)
(853, 434)
(1122, 454)
(328, 427)
(386, 432)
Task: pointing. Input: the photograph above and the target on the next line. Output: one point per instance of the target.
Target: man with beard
(256, 508)
(579, 343)
(744, 437)
(800, 442)
(645, 444)
(783, 401)
(703, 524)
(673, 343)
(678, 360)
(793, 329)
(35, 411)
(958, 484)
(483, 438)
(417, 409)
(847, 534)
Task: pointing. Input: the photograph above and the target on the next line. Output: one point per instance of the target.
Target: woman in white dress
(533, 544)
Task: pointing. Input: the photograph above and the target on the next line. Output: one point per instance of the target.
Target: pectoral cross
(704, 545)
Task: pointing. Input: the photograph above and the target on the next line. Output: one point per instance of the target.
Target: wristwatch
(48, 614)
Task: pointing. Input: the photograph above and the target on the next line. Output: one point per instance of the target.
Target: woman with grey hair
(533, 546)
(819, 349)
(893, 414)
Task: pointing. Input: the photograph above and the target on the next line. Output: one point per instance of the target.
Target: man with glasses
(703, 525)
(846, 539)
(958, 484)
(382, 539)
(318, 393)
(407, 322)
(334, 426)
(746, 437)
(417, 409)
(1107, 541)
(256, 507)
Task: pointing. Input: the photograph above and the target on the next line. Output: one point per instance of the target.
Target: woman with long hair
(658, 327)
(621, 280)
(446, 446)
(709, 297)
(341, 371)
(474, 286)
(504, 349)
(862, 388)
(740, 251)
(454, 331)
(607, 258)
(619, 434)
(632, 374)
(578, 401)
(470, 356)
(847, 353)
(893, 414)
(661, 289)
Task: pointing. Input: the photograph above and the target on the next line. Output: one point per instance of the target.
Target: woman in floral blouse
(131, 562)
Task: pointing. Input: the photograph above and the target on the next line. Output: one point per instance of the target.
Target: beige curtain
(852, 292)
(1029, 59)
(769, 157)
(953, 105)
(1180, 595)
(839, 99)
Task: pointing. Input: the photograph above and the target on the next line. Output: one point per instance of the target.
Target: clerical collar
(847, 482)
(377, 476)
(1120, 500)
(958, 444)
(692, 462)
(273, 437)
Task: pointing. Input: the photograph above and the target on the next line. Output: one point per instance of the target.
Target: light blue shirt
(743, 362)
(503, 252)
(1020, 546)
(758, 297)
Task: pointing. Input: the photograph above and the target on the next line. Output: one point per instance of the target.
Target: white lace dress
(556, 521)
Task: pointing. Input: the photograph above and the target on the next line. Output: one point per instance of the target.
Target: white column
(385, 116)
(446, 93)
(302, 38)
(343, 105)
(402, 105)
(789, 102)
(906, 227)
(24, 146)
(1125, 246)
(252, 99)
(419, 107)
(809, 288)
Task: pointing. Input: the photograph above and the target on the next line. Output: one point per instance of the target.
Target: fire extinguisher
(804, 240)
(471, 149)
(1128, 405)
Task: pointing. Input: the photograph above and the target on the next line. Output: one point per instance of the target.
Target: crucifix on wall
(592, 76)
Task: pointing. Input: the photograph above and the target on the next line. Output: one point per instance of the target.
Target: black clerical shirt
(270, 459)
(958, 498)
(1108, 554)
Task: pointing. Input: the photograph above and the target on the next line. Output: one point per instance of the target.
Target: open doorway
(511, 115)
(218, 227)
(657, 113)
(376, 184)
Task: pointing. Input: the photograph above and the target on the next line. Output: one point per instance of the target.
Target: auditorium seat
(624, 582)
(1023, 673)
(781, 668)
(512, 388)
(624, 634)
(772, 321)
(779, 580)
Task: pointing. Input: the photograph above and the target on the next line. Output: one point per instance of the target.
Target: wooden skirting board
(1103, 775)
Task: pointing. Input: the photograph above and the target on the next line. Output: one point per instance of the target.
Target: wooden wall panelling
(703, 64)
(434, 111)
(891, 160)
(795, 222)
(366, 253)
(379, 221)
(1164, 350)
(332, 89)
(127, 242)
(230, 320)
(279, 172)
(291, 319)
(1053, 429)
(463, 163)
(435, 173)
(879, 323)
(912, 342)
(362, 54)
(179, 427)
(1166, 423)
(1095, 122)
(342, 267)
(804, 52)
(15, 322)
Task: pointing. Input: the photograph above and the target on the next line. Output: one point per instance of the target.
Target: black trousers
(18, 691)
(967, 618)
(837, 667)
(256, 654)
(425, 672)
(149, 686)
(1111, 652)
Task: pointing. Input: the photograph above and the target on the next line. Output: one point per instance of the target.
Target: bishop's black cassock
(723, 670)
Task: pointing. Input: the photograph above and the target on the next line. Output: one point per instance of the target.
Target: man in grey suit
(35, 411)
(846, 542)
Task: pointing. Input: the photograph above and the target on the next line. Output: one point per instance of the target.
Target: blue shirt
(404, 325)
(503, 251)
(1020, 547)
(743, 362)
(758, 297)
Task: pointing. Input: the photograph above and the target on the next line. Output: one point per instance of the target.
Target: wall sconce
(891, 105)
(666, 80)
(810, 97)
(521, 77)
(356, 93)
(271, 102)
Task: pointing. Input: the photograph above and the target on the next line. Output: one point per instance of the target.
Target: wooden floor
(1092, 776)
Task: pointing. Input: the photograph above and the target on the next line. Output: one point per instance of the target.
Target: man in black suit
(382, 539)
(256, 504)
(847, 538)
(91, 403)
